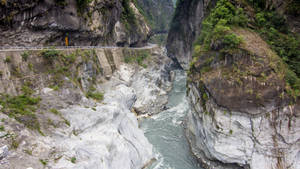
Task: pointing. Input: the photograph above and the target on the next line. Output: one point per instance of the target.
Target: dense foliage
(217, 26)
(217, 29)
(274, 29)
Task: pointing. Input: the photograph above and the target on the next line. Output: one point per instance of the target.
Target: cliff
(188, 17)
(158, 13)
(86, 23)
(75, 108)
(185, 27)
(243, 81)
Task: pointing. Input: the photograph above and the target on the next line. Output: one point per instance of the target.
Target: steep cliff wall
(242, 115)
(243, 82)
(158, 13)
(185, 27)
(96, 22)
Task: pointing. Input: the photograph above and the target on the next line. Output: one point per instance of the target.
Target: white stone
(3, 151)
(242, 139)
(109, 137)
(46, 90)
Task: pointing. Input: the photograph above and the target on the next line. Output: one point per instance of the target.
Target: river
(166, 133)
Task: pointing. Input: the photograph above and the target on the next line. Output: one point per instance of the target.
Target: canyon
(100, 84)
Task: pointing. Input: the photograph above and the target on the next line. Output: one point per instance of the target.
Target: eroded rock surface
(241, 115)
(84, 133)
(99, 22)
(185, 27)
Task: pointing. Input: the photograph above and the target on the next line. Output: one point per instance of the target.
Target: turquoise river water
(166, 133)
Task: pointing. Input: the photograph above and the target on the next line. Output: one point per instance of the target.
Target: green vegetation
(61, 65)
(217, 34)
(26, 89)
(138, 57)
(16, 71)
(25, 56)
(2, 128)
(7, 59)
(273, 28)
(58, 113)
(73, 160)
(22, 108)
(29, 152)
(61, 3)
(128, 16)
(55, 88)
(44, 161)
(50, 54)
(92, 93)
(204, 98)
(30, 66)
(217, 27)
(14, 143)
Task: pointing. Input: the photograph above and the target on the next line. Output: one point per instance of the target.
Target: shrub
(94, 95)
(27, 90)
(260, 19)
(217, 26)
(56, 112)
(73, 160)
(7, 59)
(232, 40)
(14, 143)
(273, 28)
(2, 128)
(50, 54)
(30, 66)
(44, 161)
(25, 56)
(294, 82)
(69, 59)
(21, 108)
(139, 57)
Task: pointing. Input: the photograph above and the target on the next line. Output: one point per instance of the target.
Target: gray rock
(35, 23)
(185, 27)
(227, 140)
(3, 152)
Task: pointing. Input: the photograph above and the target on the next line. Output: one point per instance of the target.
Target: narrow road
(23, 48)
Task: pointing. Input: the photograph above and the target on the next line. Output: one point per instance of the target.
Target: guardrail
(7, 48)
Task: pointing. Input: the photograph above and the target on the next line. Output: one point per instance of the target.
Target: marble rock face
(108, 136)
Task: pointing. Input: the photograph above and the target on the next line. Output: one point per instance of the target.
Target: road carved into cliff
(21, 48)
